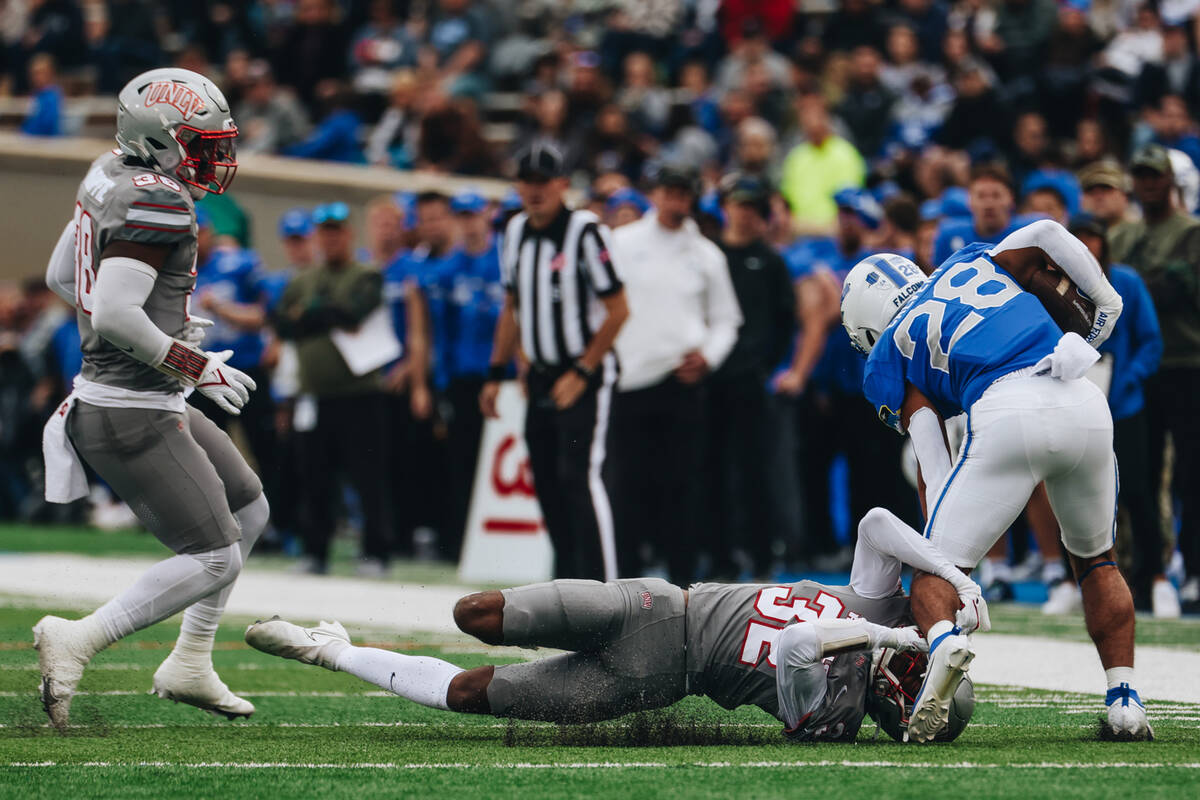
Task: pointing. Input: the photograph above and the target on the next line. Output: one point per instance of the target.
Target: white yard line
(1063, 765)
(82, 582)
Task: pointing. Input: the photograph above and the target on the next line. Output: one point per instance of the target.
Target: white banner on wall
(505, 541)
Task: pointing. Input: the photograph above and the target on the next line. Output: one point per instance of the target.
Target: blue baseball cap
(710, 204)
(954, 202)
(1061, 182)
(627, 197)
(203, 218)
(511, 201)
(295, 222)
(931, 209)
(468, 202)
(407, 202)
(331, 213)
(864, 206)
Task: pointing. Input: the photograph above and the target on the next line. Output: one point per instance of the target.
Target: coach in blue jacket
(1132, 352)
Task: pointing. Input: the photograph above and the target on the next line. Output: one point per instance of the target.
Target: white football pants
(1026, 429)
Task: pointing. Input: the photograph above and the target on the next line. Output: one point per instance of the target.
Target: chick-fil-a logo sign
(176, 95)
(511, 475)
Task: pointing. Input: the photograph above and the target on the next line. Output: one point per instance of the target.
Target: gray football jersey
(123, 200)
(731, 630)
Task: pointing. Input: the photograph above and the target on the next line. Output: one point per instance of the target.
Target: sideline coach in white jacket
(683, 321)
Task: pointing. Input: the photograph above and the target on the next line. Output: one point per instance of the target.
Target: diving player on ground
(805, 653)
(127, 264)
(969, 338)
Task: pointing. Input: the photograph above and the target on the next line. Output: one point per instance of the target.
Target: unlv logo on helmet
(181, 97)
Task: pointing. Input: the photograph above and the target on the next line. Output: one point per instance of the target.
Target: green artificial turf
(323, 734)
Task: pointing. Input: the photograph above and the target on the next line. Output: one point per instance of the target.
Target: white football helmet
(874, 292)
(178, 122)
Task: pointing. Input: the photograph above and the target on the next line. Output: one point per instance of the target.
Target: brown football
(1067, 306)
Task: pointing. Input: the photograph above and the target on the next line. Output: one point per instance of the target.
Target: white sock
(200, 621)
(165, 589)
(421, 679)
(937, 629)
(999, 569)
(1053, 572)
(1118, 675)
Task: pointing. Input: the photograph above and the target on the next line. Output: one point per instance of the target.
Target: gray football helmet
(896, 680)
(178, 122)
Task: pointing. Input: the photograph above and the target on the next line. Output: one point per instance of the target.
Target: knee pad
(223, 564)
(252, 518)
(798, 644)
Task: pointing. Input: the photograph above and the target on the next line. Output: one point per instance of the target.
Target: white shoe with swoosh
(320, 645)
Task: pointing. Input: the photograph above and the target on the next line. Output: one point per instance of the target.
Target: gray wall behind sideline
(39, 178)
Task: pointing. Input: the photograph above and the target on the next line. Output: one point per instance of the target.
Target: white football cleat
(948, 663)
(1165, 600)
(1126, 717)
(320, 645)
(62, 655)
(1065, 598)
(204, 690)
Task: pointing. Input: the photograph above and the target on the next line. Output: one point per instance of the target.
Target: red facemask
(211, 162)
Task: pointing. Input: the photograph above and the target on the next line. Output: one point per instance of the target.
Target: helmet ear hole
(870, 336)
(155, 143)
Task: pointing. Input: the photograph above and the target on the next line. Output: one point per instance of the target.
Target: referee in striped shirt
(564, 305)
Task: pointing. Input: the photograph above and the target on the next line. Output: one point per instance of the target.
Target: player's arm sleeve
(596, 261)
(1071, 256)
(723, 313)
(122, 287)
(929, 443)
(883, 385)
(885, 542)
(60, 270)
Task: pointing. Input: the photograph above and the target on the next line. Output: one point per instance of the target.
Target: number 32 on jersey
(777, 604)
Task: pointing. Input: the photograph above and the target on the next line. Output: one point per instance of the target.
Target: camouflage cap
(1103, 173)
(1153, 157)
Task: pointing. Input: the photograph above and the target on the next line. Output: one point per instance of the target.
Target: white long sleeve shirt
(680, 299)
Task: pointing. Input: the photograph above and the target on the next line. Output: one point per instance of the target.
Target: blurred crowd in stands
(912, 126)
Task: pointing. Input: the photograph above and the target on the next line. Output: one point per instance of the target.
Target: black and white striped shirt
(557, 276)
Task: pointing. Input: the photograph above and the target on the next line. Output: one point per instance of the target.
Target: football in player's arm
(816, 657)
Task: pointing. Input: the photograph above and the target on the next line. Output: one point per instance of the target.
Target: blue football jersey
(970, 324)
(233, 275)
(840, 368)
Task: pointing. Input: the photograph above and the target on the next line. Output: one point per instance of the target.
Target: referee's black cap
(680, 176)
(539, 162)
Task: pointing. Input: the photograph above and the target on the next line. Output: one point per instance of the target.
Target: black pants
(418, 472)
(566, 452)
(1131, 444)
(657, 477)
(738, 485)
(841, 423)
(465, 428)
(350, 438)
(1171, 408)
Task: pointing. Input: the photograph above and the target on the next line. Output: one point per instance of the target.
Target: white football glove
(229, 388)
(195, 329)
(909, 639)
(973, 616)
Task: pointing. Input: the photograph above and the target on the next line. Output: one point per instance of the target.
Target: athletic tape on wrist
(184, 362)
